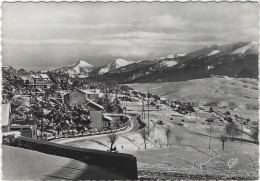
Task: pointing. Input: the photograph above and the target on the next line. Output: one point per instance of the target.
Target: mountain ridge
(234, 59)
(115, 64)
(203, 63)
(81, 67)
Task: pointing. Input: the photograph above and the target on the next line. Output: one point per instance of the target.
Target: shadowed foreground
(18, 163)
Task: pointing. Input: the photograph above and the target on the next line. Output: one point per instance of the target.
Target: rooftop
(95, 104)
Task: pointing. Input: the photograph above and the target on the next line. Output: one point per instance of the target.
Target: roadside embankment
(125, 162)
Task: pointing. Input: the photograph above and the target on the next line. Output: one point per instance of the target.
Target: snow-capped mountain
(232, 60)
(168, 63)
(117, 63)
(251, 48)
(169, 60)
(171, 56)
(217, 50)
(81, 67)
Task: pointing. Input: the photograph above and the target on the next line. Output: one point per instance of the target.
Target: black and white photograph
(130, 90)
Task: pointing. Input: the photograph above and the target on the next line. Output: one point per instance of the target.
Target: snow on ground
(253, 46)
(210, 67)
(193, 152)
(24, 164)
(115, 65)
(103, 70)
(213, 52)
(169, 63)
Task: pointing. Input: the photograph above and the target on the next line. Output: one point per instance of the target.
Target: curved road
(133, 127)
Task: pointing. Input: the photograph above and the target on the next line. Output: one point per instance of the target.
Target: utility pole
(41, 121)
(148, 115)
(241, 131)
(125, 107)
(142, 108)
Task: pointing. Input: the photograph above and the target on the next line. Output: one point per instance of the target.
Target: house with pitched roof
(35, 81)
(86, 97)
(81, 96)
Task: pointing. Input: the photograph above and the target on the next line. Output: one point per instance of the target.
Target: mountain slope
(251, 48)
(81, 67)
(219, 50)
(233, 60)
(235, 93)
(114, 65)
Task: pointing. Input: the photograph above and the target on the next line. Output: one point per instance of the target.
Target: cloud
(68, 31)
(168, 21)
(40, 42)
(142, 35)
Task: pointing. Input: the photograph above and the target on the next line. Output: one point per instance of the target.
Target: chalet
(26, 130)
(80, 96)
(163, 100)
(24, 98)
(96, 114)
(6, 109)
(107, 121)
(35, 81)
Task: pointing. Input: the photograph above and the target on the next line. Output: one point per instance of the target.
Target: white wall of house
(77, 97)
(97, 119)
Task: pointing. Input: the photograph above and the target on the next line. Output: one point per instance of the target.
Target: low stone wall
(91, 133)
(125, 162)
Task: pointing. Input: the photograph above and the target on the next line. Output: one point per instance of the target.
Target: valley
(190, 157)
(130, 91)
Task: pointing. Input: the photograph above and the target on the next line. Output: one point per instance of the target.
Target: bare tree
(254, 134)
(210, 130)
(160, 143)
(178, 139)
(223, 139)
(167, 134)
(112, 139)
(232, 130)
(144, 133)
(153, 126)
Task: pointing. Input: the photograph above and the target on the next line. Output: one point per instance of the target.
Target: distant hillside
(233, 60)
(231, 93)
(113, 65)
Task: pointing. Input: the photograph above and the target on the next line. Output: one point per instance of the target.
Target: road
(18, 163)
(133, 127)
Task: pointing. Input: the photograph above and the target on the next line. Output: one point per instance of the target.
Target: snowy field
(191, 154)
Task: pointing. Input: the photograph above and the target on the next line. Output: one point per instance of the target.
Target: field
(191, 158)
(230, 93)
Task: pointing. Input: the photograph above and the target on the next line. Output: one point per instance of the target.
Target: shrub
(232, 130)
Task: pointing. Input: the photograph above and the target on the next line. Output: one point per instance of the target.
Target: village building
(26, 130)
(88, 96)
(97, 117)
(163, 100)
(35, 81)
(25, 99)
(6, 109)
(107, 121)
(81, 96)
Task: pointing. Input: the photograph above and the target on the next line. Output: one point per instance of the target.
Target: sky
(45, 36)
